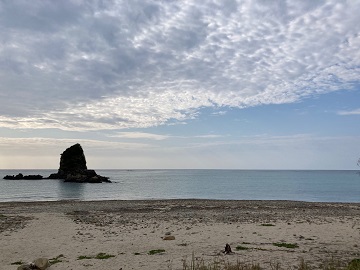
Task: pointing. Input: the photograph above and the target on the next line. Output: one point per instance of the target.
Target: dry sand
(130, 229)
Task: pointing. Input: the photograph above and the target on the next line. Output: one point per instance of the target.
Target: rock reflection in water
(70, 190)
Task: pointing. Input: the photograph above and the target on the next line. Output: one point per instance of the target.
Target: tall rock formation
(72, 161)
(73, 167)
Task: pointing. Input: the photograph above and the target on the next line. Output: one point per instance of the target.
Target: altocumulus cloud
(121, 64)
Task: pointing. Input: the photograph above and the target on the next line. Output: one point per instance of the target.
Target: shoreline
(128, 203)
(175, 199)
(129, 229)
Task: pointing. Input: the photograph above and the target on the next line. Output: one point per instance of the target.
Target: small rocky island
(72, 169)
(20, 176)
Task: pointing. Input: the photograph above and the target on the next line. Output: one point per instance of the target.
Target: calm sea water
(313, 186)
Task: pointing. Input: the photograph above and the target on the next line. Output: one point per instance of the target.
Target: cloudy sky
(181, 84)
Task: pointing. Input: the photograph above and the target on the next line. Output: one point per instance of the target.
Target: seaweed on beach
(56, 259)
(286, 245)
(99, 256)
(156, 251)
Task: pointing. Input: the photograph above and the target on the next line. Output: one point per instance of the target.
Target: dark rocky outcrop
(73, 167)
(33, 177)
(20, 176)
(72, 160)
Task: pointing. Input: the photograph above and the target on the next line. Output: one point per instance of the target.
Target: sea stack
(73, 167)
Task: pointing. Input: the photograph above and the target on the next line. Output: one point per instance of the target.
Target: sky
(143, 84)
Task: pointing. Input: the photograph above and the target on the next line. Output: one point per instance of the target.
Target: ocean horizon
(217, 184)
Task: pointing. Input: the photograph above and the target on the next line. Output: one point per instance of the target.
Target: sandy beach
(76, 232)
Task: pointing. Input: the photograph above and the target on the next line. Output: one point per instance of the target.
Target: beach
(126, 233)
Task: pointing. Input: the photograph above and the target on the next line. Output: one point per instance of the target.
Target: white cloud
(353, 112)
(140, 135)
(210, 136)
(24, 146)
(118, 64)
(159, 137)
(219, 113)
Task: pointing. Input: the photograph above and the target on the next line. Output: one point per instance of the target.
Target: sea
(296, 185)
